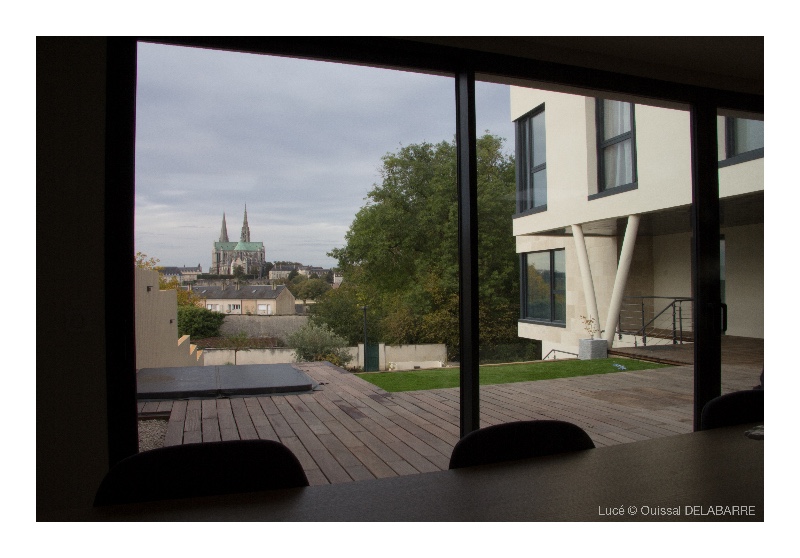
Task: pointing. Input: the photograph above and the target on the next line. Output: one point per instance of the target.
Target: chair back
(518, 440)
(738, 407)
(208, 469)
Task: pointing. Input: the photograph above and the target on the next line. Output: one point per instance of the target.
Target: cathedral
(227, 255)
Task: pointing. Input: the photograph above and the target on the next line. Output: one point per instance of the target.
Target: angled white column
(625, 258)
(586, 274)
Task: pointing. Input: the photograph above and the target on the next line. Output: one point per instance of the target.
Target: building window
(744, 140)
(544, 287)
(616, 146)
(532, 167)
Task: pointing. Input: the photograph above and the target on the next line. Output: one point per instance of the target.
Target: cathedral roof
(248, 246)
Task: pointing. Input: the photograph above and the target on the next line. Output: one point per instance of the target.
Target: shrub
(199, 322)
(313, 343)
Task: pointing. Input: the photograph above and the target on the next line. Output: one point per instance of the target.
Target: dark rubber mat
(216, 381)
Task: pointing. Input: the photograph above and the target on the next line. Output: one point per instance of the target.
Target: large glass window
(544, 288)
(616, 145)
(531, 154)
(743, 136)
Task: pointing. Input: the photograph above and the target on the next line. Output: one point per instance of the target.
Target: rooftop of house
(241, 292)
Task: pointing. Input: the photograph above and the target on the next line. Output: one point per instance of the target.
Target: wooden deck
(351, 430)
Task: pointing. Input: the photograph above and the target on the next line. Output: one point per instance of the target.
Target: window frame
(603, 144)
(523, 302)
(703, 104)
(731, 157)
(525, 168)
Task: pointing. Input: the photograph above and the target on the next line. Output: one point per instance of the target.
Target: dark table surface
(714, 475)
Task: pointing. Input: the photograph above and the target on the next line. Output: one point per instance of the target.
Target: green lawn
(503, 374)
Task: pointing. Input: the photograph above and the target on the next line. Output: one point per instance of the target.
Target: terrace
(350, 430)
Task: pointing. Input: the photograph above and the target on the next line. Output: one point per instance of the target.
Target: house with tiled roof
(261, 300)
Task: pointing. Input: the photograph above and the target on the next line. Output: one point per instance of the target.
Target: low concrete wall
(406, 357)
(221, 357)
(416, 353)
(263, 326)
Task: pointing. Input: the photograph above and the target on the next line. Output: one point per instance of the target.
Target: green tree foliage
(341, 310)
(313, 343)
(400, 256)
(199, 322)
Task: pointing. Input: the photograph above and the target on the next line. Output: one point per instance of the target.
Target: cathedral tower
(223, 235)
(245, 237)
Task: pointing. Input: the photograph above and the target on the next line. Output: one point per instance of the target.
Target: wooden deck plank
(350, 429)
(260, 421)
(150, 407)
(175, 426)
(227, 423)
(323, 458)
(245, 426)
(165, 406)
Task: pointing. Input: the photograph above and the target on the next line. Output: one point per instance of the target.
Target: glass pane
(540, 188)
(538, 286)
(618, 164)
(616, 118)
(560, 286)
(749, 135)
(538, 140)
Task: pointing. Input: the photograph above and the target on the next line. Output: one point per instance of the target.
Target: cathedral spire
(223, 235)
(245, 228)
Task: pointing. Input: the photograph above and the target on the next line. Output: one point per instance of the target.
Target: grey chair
(208, 469)
(518, 440)
(738, 407)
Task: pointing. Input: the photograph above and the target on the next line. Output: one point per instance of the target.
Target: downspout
(625, 258)
(586, 274)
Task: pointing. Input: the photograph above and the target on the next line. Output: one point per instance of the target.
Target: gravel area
(151, 434)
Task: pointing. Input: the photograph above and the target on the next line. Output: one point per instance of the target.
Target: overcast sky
(299, 142)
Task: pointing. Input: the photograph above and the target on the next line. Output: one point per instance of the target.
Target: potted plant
(591, 348)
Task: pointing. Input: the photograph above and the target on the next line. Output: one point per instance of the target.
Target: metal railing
(553, 351)
(656, 320)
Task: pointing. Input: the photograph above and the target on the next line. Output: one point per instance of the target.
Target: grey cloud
(299, 142)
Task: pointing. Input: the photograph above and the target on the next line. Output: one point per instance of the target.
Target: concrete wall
(220, 357)
(672, 265)
(263, 326)
(407, 356)
(158, 344)
(744, 280)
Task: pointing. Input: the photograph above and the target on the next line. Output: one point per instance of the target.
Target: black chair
(201, 470)
(739, 407)
(518, 440)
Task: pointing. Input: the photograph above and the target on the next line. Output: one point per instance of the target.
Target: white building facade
(603, 222)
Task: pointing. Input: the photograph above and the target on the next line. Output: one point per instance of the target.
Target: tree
(313, 343)
(238, 341)
(292, 274)
(400, 256)
(199, 322)
(143, 262)
(311, 289)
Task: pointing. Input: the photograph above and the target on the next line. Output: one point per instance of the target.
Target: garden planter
(592, 348)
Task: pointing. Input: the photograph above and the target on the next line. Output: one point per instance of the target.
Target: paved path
(352, 430)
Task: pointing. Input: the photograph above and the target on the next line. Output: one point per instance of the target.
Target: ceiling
(728, 63)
